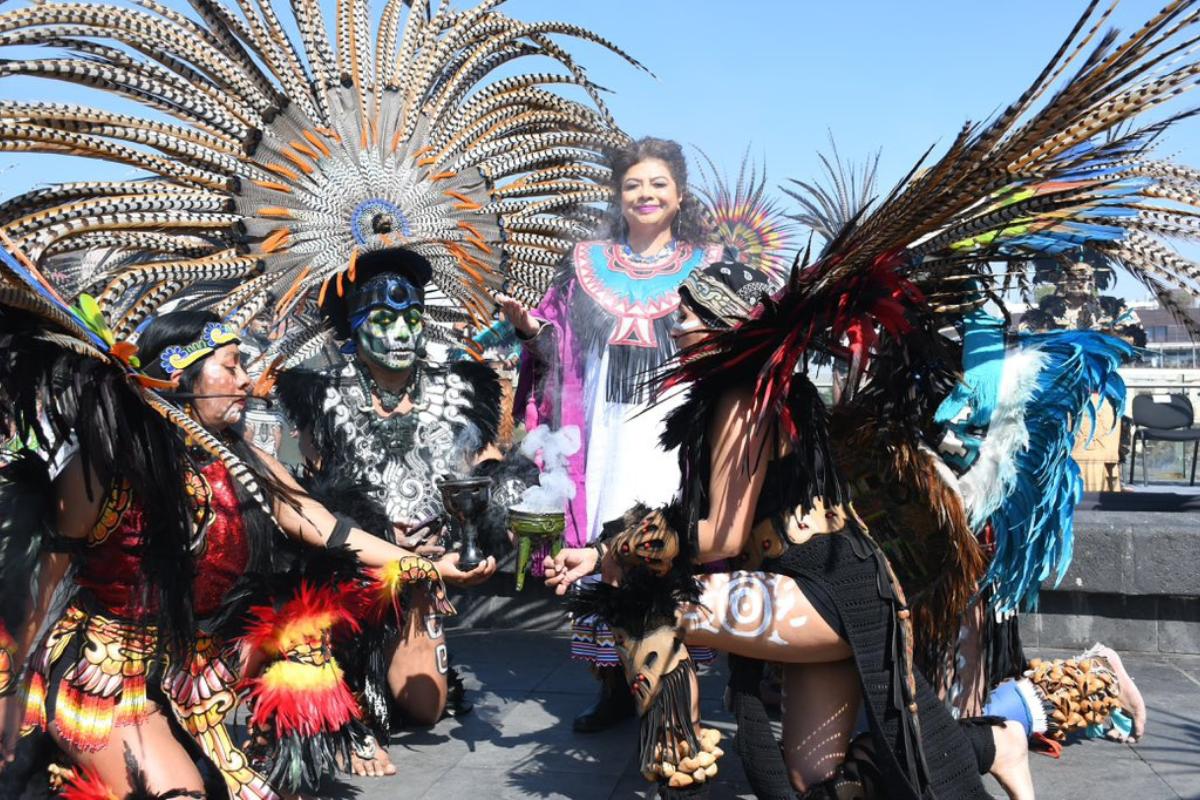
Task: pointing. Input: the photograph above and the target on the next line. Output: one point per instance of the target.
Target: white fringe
(1039, 722)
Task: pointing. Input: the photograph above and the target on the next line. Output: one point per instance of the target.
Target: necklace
(388, 401)
(638, 258)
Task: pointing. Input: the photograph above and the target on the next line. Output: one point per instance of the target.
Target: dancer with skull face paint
(394, 423)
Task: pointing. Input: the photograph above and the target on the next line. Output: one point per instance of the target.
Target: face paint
(391, 339)
(761, 606)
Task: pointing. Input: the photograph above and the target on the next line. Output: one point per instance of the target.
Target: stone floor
(518, 741)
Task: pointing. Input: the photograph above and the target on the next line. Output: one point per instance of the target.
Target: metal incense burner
(466, 499)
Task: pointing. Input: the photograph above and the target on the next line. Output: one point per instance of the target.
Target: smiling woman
(605, 326)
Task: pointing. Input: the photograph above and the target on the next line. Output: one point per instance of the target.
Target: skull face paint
(391, 338)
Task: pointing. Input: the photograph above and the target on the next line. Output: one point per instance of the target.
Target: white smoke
(555, 487)
(467, 444)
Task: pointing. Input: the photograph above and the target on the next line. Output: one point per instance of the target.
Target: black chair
(1167, 422)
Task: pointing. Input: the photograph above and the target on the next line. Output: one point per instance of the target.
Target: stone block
(1075, 621)
(1179, 625)
(1166, 553)
(1103, 558)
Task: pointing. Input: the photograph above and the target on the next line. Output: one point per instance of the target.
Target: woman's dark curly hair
(691, 223)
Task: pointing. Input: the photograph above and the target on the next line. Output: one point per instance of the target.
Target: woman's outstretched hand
(571, 564)
(517, 313)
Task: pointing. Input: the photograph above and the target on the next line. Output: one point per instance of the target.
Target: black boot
(613, 704)
(457, 704)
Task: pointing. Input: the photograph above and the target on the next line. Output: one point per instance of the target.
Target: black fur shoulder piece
(301, 392)
(641, 603)
(484, 412)
(26, 513)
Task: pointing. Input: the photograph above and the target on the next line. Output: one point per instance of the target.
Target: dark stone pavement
(518, 741)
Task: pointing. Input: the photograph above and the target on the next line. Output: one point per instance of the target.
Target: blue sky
(779, 77)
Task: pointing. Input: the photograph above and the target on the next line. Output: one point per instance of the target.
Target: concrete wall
(1134, 584)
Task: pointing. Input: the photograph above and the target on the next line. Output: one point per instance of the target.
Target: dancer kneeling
(162, 515)
(815, 593)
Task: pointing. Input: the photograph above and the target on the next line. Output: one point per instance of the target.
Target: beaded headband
(176, 359)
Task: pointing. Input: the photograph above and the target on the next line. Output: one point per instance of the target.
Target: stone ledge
(1135, 554)
(1145, 624)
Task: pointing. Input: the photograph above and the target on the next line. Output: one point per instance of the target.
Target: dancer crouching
(815, 593)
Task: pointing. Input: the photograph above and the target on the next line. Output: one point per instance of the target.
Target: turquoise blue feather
(1034, 526)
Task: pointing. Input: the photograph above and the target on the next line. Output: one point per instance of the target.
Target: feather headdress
(274, 153)
(1068, 165)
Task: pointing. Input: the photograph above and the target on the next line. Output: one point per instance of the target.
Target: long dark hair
(182, 328)
(691, 223)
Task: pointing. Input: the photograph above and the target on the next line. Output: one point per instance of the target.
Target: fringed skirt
(93, 673)
(922, 752)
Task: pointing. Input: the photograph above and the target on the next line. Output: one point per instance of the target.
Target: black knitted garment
(922, 755)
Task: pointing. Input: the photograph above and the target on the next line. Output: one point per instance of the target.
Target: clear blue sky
(780, 76)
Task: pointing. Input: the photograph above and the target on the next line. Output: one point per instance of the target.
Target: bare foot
(1131, 698)
(378, 767)
(1011, 765)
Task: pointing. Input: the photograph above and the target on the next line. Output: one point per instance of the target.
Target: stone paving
(518, 741)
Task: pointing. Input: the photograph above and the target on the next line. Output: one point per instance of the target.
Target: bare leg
(416, 677)
(1011, 766)
(417, 672)
(761, 615)
(766, 616)
(161, 757)
(820, 708)
(968, 689)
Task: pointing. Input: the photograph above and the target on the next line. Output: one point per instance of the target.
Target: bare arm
(312, 523)
(738, 474)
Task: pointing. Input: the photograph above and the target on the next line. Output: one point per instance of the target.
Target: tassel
(35, 705)
(131, 710)
(8, 660)
(84, 720)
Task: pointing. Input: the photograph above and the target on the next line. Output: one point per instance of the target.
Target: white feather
(990, 479)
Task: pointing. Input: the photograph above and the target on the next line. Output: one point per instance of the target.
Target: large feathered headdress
(1067, 165)
(274, 155)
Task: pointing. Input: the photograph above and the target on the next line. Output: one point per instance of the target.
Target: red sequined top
(111, 566)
